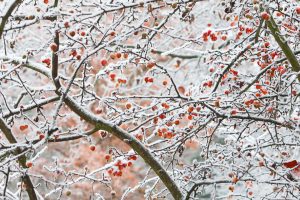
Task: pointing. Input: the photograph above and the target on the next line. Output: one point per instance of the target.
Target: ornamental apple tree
(149, 99)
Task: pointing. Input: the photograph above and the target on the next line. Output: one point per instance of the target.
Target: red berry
(92, 147)
(53, 47)
(133, 157)
(150, 64)
(235, 179)
(267, 44)
(73, 53)
(233, 112)
(150, 80)
(104, 62)
(291, 164)
(162, 116)
(226, 92)
(261, 163)
(72, 33)
(112, 33)
(23, 127)
(47, 61)
(41, 136)
(190, 109)
(231, 188)
(128, 106)
(112, 76)
(298, 10)
(119, 173)
(66, 25)
(139, 137)
(258, 87)
(265, 16)
(209, 83)
(107, 157)
(224, 37)
(29, 164)
(119, 55)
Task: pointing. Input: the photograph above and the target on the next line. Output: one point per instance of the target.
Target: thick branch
(8, 13)
(118, 132)
(22, 159)
(131, 141)
(284, 46)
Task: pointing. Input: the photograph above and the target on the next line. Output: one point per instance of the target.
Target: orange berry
(128, 106)
(23, 127)
(53, 47)
(150, 65)
(235, 179)
(190, 109)
(72, 33)
(119, 55)
(231, 188)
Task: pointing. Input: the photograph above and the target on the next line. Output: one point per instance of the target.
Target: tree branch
(119, 133)
(8, 13)
(22, 159)
(284, 45)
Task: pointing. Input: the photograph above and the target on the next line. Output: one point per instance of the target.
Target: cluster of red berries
(120, 165)
(234, 72)
(75, 54)
(209, 34)
(139, 136)
(208, 84)
(242, 29)
(261, 89)
(165, 133)
(150, 64)
(122, 81)
(148, 79)
(165, 105)
(255, 103)
(118, 55)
